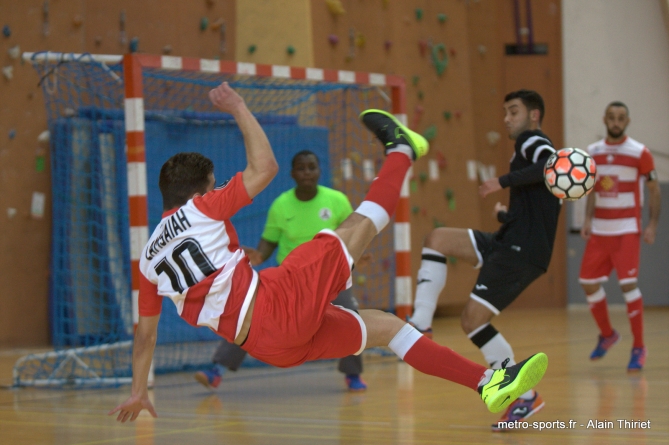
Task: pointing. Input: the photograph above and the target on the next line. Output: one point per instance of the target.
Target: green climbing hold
(204, 23)
(442, 18)
(430, 132)
(290, 50)
(252, 49)
(419, 13)
(439, 58)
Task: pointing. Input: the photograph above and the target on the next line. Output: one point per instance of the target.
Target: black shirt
(530, 224)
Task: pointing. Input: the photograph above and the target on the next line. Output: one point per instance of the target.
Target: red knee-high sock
(635, 315)
(430, 358)
(600, 312)
(385, 189)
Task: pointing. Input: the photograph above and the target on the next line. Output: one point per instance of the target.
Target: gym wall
(461, 107)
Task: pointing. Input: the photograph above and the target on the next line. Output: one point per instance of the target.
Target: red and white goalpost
(126, 78)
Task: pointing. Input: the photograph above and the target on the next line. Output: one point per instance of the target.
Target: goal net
(91, 280)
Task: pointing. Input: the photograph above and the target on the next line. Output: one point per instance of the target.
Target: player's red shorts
(293, 320)
(604, 253)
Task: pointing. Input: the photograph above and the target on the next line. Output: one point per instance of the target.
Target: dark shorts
(502, 276)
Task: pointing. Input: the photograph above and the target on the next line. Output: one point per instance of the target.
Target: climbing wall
(453, 54)
(203, 28)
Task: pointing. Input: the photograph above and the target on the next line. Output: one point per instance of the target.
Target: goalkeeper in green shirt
(294, 218)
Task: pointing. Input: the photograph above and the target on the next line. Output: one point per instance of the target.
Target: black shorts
(503, 275)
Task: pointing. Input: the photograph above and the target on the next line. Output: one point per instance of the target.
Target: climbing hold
(413, 186)
(452, 52)
(134, 44)
(252, 49)
(439, 58)
(387, 44)
(422, 176)
(442, 18)
(441, 160)
(482, 49)
(333, 39)
(430, 132)
(447, 115)
(217, 24)
(204, 23)
(359, 40)
(290, 50)
(77, 21)
(415, 210)
(12, 134)
(420, 95)
(335, 7)
(361, 280)
(6, 31)
(493, 137)
(414, 80)
(14, 52)
(422, 47)
(167, 49)
(419, 14)
(8, 72)
(98, 40)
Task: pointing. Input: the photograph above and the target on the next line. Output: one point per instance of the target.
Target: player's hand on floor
(225, 98)
(130, 409)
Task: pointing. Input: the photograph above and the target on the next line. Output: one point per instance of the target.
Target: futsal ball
(570, 173)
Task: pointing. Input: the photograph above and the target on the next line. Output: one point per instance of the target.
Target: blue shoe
(604, 344)
(637, 360)
(210, 378)
(426, 332)
(519, 411)
(355, 383)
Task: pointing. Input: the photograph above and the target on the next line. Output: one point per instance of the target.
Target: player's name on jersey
(172, 226)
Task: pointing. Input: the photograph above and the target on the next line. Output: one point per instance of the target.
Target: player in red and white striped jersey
(283, 315)
(612, 227)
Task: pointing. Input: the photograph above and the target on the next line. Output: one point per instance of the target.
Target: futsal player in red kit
(283, 315)
(613, 229)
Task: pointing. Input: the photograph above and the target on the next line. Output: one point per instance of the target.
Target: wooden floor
(308, 405)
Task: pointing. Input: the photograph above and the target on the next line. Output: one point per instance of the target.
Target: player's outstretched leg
(402, 146)
(498, 388)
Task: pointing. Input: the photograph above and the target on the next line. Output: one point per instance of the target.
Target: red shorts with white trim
(293, 318)
(605, 253)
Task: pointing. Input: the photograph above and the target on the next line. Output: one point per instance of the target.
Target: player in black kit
(509, 259)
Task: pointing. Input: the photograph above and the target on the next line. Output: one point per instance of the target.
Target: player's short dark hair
(531, 99)
(304, 153)
(182, 176)
(617, 103)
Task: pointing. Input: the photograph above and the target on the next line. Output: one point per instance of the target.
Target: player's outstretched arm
(261, 165)
(142, 354)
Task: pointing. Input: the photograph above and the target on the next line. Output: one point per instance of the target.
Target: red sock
(430, 358)
(635, 315)
(600, 312)
(385, 189)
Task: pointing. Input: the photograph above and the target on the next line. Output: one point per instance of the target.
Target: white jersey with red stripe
(621, 170)
(193, 257)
